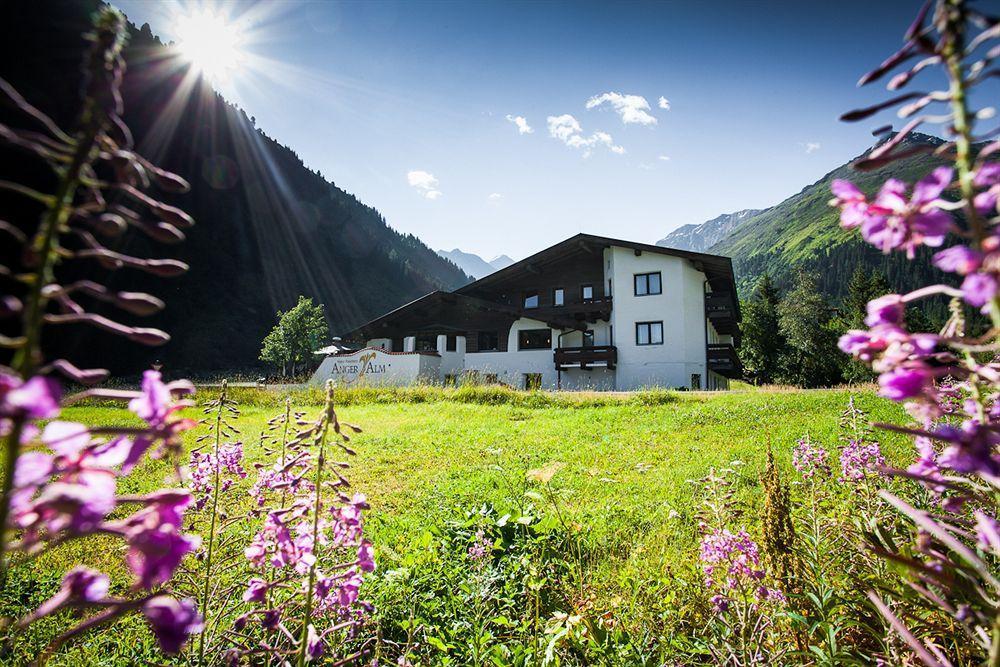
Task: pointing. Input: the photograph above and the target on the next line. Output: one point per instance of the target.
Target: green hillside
(804, 232)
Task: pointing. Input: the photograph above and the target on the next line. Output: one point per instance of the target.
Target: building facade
(590, 313)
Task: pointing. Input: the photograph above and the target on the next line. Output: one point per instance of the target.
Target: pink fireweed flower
(155, 406)
(731, 563)
(256, 590)
(809, 459)
(366, 556)
(926, 465)
(887, 309)
(859, 459)
(38, 398)
(314, 644)
(987, 532)
(978, 289)
(171, 621)
(156, 545)
(970, 449)
(906, 382)
(891, 222)
(958, 259)
(479, 547)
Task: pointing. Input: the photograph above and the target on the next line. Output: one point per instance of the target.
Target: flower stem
(953, 52)
(320, 460)
(44, 247)
(211, 530)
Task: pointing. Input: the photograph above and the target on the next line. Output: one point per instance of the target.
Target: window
(649, 333)
(588, 338)
(531, 299)
(558, 297)
(426, 344)
(587, 292)
(489, 341)
(532, 381)
(648, 283)
(452, 344)
(534, 339)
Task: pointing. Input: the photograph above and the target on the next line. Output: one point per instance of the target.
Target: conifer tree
(760, 350)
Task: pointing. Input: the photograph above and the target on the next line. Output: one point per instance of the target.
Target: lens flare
(210, 43)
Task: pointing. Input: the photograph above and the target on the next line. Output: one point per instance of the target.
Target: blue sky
(382, 96)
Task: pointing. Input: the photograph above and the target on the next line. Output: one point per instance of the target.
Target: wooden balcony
(722, 359)
(585, 357)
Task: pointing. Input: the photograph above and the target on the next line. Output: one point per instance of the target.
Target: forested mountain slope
(268, 228)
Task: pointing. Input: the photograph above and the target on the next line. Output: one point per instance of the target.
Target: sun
(210, 43)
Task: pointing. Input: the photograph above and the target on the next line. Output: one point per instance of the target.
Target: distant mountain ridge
(699, 238)
(473, 264)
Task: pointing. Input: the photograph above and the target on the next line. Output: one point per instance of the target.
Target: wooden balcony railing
(722, 359)
(585, 357)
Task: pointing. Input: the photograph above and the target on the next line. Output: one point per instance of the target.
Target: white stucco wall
(681, 308)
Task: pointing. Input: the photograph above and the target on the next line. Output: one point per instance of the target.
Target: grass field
(626, 462)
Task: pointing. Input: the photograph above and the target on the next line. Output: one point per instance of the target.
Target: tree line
(791, 338)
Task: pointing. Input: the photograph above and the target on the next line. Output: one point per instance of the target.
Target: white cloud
(522, 124)
(810, 146)
(632, 108)
(663, 103)
(495, 198)
(567, 129)
(425, 183)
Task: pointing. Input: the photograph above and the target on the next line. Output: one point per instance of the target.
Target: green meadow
(429, 459)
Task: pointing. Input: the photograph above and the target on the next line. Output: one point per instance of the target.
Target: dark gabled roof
(451, 299)
(718, 269)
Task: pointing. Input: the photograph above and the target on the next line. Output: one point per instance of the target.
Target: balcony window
(587, 292)
(489, 341)
(649, 333)
(531, 299)
(534, 339)
(558, 297)
(648, 283)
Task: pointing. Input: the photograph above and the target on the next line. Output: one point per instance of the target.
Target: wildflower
(858, 459)
(366, 556)
(256, 590)
(891, 222)
(314, 646)
(731, 563)
(987, 532)
(902, 383)
(479, 547)
(809, 459)
(958, 259)
(978, 289)
(971, 448)
(887, 309)
(38, 398)
(171, 621)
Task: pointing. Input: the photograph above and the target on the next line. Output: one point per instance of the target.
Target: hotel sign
(367, 364)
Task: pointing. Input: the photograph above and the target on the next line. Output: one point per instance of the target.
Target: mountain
(803, 232)
(472, 264)
(501, 262)
(268, 227)
(699, 238)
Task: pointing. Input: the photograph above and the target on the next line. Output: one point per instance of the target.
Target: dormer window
(587, 292)
(531, 299)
